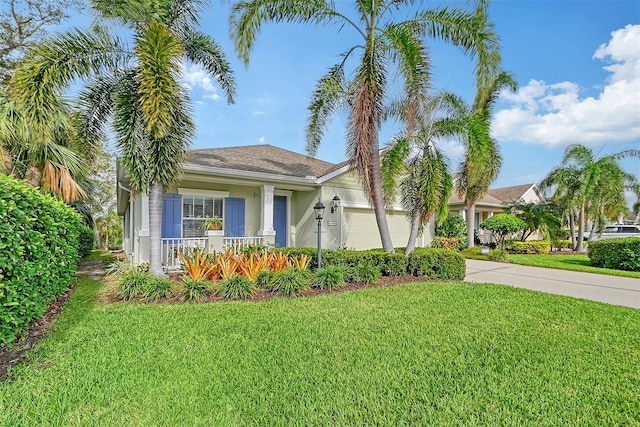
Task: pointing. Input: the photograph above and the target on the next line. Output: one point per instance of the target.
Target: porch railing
(173, 248)
(237, 243)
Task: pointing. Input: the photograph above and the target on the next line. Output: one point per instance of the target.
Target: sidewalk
(596, 287)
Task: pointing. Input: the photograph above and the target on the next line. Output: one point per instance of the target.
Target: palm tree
(482, 161)
(541, 217)
(52, 159)
(594, 183)
(567, 183)
(137, 88)
(413, 160)
(387, 46)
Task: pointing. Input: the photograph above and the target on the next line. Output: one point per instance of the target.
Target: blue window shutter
(172, 216)
(280, 220)
(233, 217)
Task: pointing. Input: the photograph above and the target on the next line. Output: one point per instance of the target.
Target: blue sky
(577, 64)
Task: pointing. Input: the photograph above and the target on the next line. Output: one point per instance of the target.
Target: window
(195, 210)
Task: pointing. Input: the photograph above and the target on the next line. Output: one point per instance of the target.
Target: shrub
(289, 282)
(38, 254)
(134, 284)
(503, 225)
(194, 289)
(86, 241)
(394, 264)
(529, 247)
(499, 255)
(120, 267)
(436, 264)
(157, 289)
(453, 226)
(236, 287)
(264, 278)
(562, 244)
(618, 254)
(448, 243)
(330, 277)
(364, 272)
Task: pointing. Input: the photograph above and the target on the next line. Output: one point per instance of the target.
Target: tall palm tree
(566, 195)
(387, 45)
(596, 183)
(482, 161)
(413, 160)
(137, 88)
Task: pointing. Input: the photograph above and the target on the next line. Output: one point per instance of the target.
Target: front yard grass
(568, 262)
(415, 354)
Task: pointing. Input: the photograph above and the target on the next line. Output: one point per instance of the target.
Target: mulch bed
(11, 356)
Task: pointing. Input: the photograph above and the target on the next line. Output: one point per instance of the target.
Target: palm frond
(247, 18)
(203, 50)
(329, 95)
(159, 53)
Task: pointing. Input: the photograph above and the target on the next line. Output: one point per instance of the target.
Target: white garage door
(361, 230)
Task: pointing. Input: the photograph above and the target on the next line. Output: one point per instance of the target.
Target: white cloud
(554, 114)
(261, 139)
(258, 113)
(195, 77)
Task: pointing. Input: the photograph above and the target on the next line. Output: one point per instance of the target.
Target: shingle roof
(509, 194)
(499, 196)
(261, 158)
(486, 199)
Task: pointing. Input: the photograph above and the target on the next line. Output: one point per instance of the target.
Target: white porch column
(463, 214)
(490, 214)
(144, 227)
(266, 214)
(143, 234)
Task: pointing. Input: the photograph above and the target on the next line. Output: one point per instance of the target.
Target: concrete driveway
(596, 287)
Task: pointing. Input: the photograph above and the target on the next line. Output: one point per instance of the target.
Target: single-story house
(264, 195)
(495, 201)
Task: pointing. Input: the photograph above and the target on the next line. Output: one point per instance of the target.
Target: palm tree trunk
(413, 234)
(471, 223)
(378, 202)
(33, 176)
(572, 228)
(155, 229)
(579, 246)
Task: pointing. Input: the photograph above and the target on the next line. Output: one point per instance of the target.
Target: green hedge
(86, 241)
(435, 263)
(618, 254)
(38, 254)
(529, 247)
(428, 262)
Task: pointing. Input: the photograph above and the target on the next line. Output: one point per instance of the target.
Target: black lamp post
(319, 210)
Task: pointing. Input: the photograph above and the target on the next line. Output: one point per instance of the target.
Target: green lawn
(568, 262)
(418, 354)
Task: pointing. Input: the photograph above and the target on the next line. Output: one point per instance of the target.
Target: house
(495, 201)
(264, 195)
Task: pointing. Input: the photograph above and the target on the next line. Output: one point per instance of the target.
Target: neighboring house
(495, 201)
(264, 195)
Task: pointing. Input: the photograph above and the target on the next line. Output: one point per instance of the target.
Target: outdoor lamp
(335, 203)
(319, 210)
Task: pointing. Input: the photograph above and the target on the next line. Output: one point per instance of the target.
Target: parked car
(620, 230)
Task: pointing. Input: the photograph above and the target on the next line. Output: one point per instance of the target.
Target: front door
(233, 217)
(280, 220)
